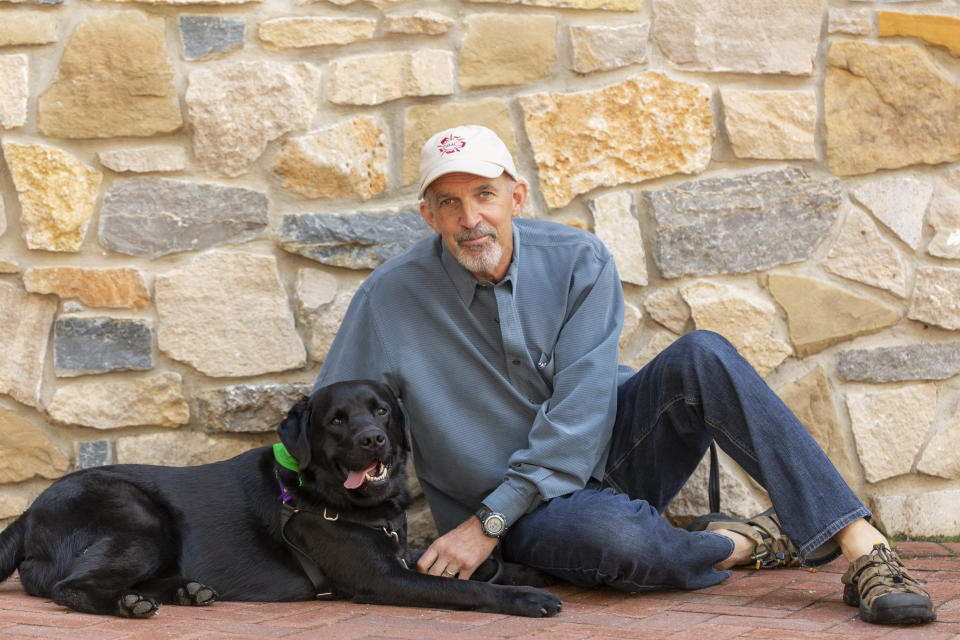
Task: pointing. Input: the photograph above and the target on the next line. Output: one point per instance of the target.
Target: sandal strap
(772, 546)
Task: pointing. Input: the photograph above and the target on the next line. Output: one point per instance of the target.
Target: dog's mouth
(375, 474)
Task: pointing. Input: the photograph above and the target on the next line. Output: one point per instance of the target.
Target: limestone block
(740, 224)
(155, 217)
(247, 408)
(57, 194)
(422, 22)
(632, 320)
(739, 496)
(645, 127)
(811, 400)
(944, 216)
(605, 5)
(615, 223)
(936, 297)
(941, 30)
(156, 401)
(820, 314)
(667, 307)
(83, 345)
(771, 124)
(940, 455)
(506, 49)
(157, 158)
(422, 121)
(25, 452)
(751, 36)
(14, 90)
(889, 427)
(744, 318)
(227, 315)
(601, 47)
(184, 448)
(899, 203)
(854, 22)
(933, 513)
(204, 36)
(27, 27)
(860, 253)
(236, 109)
(355, 241)
(300, 32)
(379, 78)
(114, 288)
(925, 361)
(93, 453)
(115, 79)
(3, 229)
(321, 305)
(339, 161)
(12, 506)
(654, 342)
(875, 119)
(9, 266)
(25, 322)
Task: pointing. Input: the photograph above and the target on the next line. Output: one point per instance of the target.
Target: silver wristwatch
(494, 524)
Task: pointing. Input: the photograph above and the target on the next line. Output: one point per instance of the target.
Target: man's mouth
(375, 473)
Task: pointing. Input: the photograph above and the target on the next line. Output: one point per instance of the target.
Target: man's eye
(382, 411)
(446, 203)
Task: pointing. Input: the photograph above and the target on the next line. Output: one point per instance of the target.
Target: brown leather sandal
(773, 548)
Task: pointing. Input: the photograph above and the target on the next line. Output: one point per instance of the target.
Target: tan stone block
(876, 120)
(751, 36)
(321, 305)
(12, 506)
(740, 496)
(654, 342)
(157, 401)
(421, 22)
(771, 124)
(422, 121)
(742, 317)
(338, 161)
(615, 223)
(889, 427)
(115, 79)
(113, 288)
(943, 31)
(25, 452)
(606, 5)
(300, 32)
(820, 314)
(227, 315)
(667, 307)
(932, 513)
(9, 266)
(27, 27)
(185, 448)
(632, 321)
(862, 254)
(811, 400)
(161, 157)
(236, 109)
(944, 217)
(379, 78)
(57, 194)
(645, 127)
(505, 49)
(899, 202)
(14, 91)
(936, 297)
(854, 22)
(940, 455)
(601, 48)
(25, 322)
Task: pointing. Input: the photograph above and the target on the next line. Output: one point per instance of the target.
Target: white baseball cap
(467, 149)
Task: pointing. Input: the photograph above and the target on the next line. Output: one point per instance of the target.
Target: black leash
(713, 483)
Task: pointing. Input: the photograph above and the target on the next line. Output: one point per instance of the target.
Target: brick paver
(778, 605)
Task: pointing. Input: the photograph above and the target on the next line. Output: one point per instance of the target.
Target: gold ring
(449, 574)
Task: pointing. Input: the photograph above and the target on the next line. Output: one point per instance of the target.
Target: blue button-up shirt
(511, 387)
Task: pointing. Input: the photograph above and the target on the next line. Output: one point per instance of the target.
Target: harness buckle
(335, 517)
(391, 534)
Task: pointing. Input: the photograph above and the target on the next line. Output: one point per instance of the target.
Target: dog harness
(394, 528)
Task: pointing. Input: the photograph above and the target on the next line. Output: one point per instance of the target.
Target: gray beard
(486, 260)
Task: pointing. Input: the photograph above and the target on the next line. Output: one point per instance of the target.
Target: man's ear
(294, 432)
(520, 191)
(427, 215)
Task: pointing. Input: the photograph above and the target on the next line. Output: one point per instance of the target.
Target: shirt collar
(463, 280)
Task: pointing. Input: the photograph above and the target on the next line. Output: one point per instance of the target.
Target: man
(500, 335)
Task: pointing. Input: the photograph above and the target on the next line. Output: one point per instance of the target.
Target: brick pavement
(780, 605)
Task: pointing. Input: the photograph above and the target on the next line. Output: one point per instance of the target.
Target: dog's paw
(134, 605)
(532, 602)
(196, 595)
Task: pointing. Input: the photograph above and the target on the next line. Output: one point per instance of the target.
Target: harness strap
(321, 587)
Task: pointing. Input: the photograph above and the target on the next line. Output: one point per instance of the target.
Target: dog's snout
(372, 439)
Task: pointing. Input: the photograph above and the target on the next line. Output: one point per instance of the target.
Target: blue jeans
(697, 390)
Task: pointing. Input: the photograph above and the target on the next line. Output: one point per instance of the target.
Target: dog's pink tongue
(355, 478)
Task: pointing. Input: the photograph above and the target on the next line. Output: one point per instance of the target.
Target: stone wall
(191, 191)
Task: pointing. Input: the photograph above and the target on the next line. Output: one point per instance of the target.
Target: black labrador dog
(321, 514)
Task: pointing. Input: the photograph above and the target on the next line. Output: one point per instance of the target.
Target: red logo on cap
(451, 144)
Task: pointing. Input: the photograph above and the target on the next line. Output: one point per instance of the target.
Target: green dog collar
(284, 458)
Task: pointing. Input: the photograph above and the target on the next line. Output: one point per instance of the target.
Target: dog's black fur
(122, 539)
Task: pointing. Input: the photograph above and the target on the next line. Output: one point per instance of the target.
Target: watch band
(494, 524)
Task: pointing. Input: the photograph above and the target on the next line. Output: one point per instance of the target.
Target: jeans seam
(637, 441)
(830, 530)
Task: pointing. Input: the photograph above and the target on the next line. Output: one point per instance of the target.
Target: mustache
(482, 229)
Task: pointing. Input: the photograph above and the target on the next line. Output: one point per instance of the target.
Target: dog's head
(349, 439)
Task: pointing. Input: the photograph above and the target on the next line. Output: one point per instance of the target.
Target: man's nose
(470, 216)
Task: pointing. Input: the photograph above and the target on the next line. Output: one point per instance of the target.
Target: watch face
(494, 524)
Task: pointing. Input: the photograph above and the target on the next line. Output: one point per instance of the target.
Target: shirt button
(516, 362)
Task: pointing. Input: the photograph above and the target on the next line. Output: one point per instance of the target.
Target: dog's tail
(11, 548)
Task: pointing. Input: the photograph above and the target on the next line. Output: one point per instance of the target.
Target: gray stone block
(98, 345)
(154, 217)
(357, 241)
(740, 224)
(205, 35)
(895, 364)
(93, 453)
(247, 408)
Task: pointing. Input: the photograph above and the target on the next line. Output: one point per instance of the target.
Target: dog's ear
(294, 432)
(400, 417)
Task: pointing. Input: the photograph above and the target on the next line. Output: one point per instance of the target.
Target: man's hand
(458, 552)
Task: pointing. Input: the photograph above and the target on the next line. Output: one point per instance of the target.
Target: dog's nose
(372, 439)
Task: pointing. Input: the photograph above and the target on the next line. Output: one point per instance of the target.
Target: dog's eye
(336, 422)
(382, 411)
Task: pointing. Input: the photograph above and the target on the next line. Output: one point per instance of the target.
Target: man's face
(474, 217)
